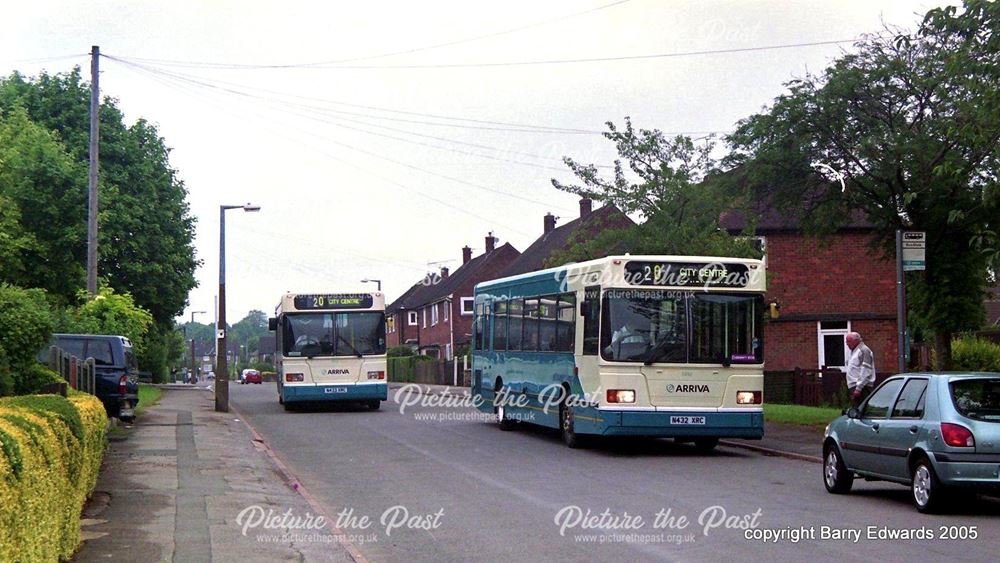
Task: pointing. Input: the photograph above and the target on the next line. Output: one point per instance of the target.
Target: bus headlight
(749, 397)
(621, 395)
(294, 377)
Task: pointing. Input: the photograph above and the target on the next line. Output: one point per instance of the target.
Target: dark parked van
(115, 366)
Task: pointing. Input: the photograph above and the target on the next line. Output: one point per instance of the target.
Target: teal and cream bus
(330, 347)
(667, 346)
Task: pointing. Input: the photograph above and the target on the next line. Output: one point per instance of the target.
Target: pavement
(173, 487)
(187, 484)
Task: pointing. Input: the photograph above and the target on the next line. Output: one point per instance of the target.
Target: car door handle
(913, 429)
(875, 427)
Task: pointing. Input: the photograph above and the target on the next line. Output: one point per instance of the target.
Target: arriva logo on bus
(687, 389)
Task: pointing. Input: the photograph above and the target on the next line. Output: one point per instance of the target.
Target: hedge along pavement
(50, 454)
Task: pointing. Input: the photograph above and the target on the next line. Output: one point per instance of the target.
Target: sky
(381, 137)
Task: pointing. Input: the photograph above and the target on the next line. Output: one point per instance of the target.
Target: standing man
(860, 368)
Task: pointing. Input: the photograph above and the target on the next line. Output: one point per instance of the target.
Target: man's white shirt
(861, 367)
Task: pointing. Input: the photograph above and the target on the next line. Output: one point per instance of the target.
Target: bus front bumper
(346, 392)
(673, 424)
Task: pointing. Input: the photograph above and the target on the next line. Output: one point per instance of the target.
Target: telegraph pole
(95, 102)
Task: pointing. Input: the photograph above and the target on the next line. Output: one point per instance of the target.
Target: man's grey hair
(853, 335)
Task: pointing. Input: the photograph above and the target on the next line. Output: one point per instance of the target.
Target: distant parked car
(116, 374)
(250, 376)
(938, 433)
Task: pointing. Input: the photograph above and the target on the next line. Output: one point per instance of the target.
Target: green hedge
(50, 454)
(26, 323)
(975, 354)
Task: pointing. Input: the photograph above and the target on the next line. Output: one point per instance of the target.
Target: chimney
(466, 254)
(586, 206)
(549, 222)
(444, 272)
(491, 242)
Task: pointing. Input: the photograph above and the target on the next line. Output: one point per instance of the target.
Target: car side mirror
(272, 323)
(853, 412)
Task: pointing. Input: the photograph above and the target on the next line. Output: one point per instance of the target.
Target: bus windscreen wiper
(349, 345)
(657, 351)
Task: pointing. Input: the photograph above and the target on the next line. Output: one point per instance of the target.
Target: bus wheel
(705, 444)
(288, 406)
(566, 426)
(374, 404)
(281, 400)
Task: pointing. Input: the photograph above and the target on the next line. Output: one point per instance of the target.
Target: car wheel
(374, 404)
(836, 477)
(926, 489)
(706, 444)
(567, 426)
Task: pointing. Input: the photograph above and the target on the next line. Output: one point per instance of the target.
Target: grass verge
(148, 396)
(798, 414)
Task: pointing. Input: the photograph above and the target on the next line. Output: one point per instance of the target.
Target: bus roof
(609, 261)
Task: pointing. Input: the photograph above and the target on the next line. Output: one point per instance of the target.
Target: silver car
(938, 433)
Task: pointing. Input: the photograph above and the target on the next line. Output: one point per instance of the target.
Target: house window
(833, 351)
(467, 305)
(434, 314)
(412, 319)
(446, 305)
(391, 323)
(424, 314)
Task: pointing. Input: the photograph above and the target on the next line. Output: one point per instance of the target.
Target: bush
(975, 354)
(50, 453)
(399, 352)
(26, 325)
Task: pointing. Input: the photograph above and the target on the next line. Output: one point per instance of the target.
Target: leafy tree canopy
(146, 230)
(912, 122)
(664, 181)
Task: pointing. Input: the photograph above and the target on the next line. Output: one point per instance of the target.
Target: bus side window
(565, 323)
(592, 322)
(477, 328)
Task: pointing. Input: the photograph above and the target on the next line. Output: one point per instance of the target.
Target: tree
(664, 181)
(42, 240)
(248, 330)
(111, 313)
(912, 122)
(146, 231)
(26, 324)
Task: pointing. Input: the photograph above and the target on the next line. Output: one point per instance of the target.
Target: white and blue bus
(667, 346)
(330, 347)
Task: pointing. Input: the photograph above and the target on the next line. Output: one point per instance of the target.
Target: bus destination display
(687, 274)
(334, 301)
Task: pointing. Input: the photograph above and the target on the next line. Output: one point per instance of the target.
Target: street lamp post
(194, 364)
(379, 282)
(221, 368)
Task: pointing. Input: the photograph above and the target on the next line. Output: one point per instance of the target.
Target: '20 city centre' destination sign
(687, 274)
(334, 301)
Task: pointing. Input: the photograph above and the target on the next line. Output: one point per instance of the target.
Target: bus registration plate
(335, 390)
(687, 420)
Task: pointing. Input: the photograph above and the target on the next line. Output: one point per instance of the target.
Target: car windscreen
(978, 399)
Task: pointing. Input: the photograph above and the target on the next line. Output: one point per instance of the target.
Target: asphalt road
(498, 494)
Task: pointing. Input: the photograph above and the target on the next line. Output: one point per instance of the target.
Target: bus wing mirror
(585, 309)
(272, 323)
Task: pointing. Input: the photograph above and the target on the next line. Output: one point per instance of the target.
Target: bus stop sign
(914, 248)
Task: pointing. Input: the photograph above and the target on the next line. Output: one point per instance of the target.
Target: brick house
(434, 316)
(824, 288)
(554, 239)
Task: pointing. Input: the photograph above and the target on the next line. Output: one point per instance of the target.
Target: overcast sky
(351, 146)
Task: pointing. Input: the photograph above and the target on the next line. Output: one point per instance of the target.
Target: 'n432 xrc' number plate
(687, 420)
(335, 390)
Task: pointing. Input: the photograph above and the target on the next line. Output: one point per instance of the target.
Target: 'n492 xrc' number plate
(335, 390)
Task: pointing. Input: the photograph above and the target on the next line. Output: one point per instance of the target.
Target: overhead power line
(618, 58)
